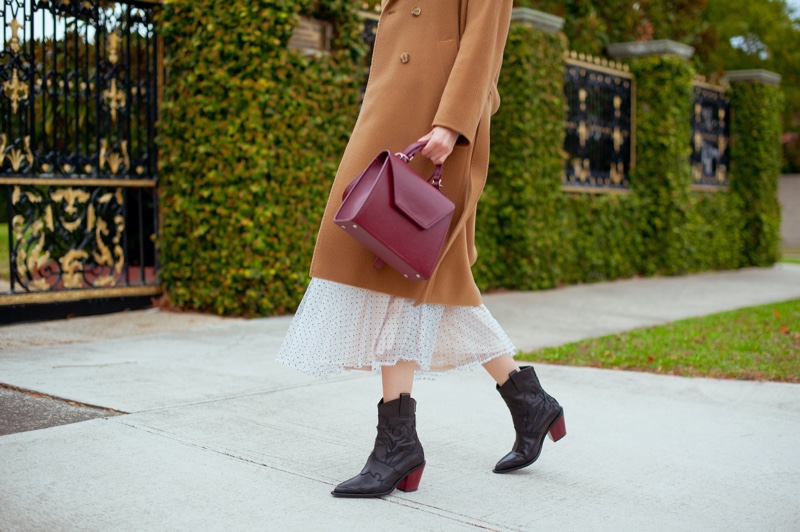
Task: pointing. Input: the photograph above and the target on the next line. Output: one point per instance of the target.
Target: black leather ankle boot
(397, 460)
(535, 414)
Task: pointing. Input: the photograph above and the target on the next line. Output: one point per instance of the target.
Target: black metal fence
(78, 159)
(710, 136)
(600, 129)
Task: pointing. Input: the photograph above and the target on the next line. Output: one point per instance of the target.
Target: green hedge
(533, 235)
(252, 133)
(755, 167)
(600, 239)
(521, 202)
(251, 136)
(662, 177)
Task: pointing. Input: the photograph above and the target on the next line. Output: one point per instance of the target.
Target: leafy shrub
(251, 135)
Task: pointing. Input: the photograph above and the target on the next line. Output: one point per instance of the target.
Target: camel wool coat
(435, 63)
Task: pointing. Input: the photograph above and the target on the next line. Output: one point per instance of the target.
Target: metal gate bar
(79, 83)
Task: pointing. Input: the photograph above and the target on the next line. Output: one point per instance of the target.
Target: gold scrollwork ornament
(583, 133)
(722, 173)
(698, 141)
(115, 98)
(114, 41)
(618, 139)
(697, 171)
(70, 196)
(71, 268)
(722, 144)
(104, 257)
(37, 258)
(15, 90)
(114, 160)
(617, 172)
(14, 42)
(16, 156)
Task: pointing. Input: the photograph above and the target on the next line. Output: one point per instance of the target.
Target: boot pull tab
(514, 377)
(405, 405)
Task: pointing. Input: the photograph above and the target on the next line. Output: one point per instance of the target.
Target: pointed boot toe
(510, 462)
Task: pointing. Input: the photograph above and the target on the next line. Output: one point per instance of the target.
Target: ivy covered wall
(533, 235)
(682, 231)
(250, 137)
(755, 167)
(252, 133)
(521, 203)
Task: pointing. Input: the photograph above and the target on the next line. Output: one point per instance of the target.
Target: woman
(433, 78)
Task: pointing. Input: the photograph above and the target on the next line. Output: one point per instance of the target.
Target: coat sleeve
(475, 69)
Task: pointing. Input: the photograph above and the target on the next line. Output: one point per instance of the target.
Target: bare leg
(500, 367)
(397, 379)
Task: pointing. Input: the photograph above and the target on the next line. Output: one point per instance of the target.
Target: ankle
(501, 367)
(508, 377)
(393, 396)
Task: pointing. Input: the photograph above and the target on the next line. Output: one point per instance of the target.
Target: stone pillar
(637, 50)
(537, 19)
(756, 106)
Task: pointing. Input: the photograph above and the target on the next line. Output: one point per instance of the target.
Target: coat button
(416, 11)
(404, 58)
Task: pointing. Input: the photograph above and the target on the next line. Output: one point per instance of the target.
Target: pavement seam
(434, 510)
(394, 499)
(310, 384)
(34, 393)
(174, 437)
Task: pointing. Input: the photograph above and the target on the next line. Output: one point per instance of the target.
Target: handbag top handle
(408, 154)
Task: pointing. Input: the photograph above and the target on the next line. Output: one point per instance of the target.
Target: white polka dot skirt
(339, 327)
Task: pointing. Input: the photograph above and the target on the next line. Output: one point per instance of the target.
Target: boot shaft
(528, 403)
(397, 429)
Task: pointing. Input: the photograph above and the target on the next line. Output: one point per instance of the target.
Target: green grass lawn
(756, 343)
(5, 267)
(791, 255)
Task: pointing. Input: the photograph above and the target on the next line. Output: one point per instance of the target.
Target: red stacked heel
(410, 482)
(558, 430)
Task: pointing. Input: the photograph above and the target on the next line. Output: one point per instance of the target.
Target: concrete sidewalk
(220, 437)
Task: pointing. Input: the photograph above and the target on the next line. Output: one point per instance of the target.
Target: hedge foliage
(532, 235)
(755, 167)
(520, 204)
(251, 134)
(663, 174)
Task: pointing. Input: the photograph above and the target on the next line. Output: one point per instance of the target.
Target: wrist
(451, 134)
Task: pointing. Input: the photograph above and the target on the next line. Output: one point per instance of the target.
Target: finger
(445, 155)
(439, 156)
(432, 147)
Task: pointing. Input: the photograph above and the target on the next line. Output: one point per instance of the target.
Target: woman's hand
(441, 141)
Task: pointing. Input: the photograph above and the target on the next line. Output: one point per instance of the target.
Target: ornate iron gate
(79, 90)
(601, 124)
(710, 137)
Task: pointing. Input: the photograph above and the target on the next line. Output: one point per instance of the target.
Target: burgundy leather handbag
(397, 214)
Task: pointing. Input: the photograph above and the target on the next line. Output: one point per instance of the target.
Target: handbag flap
(416, 198)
